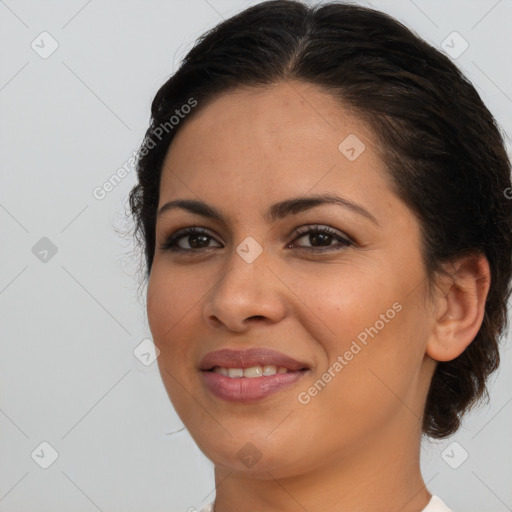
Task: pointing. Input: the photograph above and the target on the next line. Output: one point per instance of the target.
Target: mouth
(252, 359)
(249, 375)
(252, 371)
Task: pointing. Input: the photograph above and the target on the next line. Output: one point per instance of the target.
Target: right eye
(197, 239)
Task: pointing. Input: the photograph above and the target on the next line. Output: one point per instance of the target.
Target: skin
(355, 445)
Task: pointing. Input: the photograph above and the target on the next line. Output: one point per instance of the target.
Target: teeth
(270, 369)
(235, 372)
(253, 371)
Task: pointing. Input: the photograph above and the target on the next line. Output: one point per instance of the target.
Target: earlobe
(460, 307)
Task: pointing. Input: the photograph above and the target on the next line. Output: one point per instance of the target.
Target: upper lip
(228, 358)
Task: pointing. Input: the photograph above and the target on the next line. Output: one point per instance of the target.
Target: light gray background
(69, 325)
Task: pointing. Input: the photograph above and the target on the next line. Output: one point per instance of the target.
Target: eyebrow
(275, 212)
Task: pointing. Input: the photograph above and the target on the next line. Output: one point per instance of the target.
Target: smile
(253, 371)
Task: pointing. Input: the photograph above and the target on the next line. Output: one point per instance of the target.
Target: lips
(227, 358)
(251, 388)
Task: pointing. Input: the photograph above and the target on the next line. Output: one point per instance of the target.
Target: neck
(380, 474)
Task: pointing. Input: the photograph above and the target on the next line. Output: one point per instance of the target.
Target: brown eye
(322, 236)
(196, 237)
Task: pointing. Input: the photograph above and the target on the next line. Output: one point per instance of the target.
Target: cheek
(345, 302)
(170, 310)
(170, 306)
(375, 327)
(169, 299)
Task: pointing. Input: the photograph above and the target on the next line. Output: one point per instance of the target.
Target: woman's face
(349, 306)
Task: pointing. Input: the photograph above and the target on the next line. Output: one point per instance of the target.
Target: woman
(328, 252)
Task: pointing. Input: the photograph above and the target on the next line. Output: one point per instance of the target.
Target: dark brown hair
(443, 149)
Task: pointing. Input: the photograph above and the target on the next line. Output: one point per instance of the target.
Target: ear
(459, 307)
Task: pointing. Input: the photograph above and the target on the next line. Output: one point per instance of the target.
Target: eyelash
(171, 244)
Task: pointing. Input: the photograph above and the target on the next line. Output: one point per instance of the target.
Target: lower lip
(248, 389)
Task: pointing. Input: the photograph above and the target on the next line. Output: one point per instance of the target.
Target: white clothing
(434, 505)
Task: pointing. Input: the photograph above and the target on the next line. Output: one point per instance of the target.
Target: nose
(245, 293)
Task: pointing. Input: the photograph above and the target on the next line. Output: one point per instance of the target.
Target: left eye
(322, 235)
(199, 238)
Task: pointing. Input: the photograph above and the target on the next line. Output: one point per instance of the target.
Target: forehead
(269, 116)
(254, 146)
